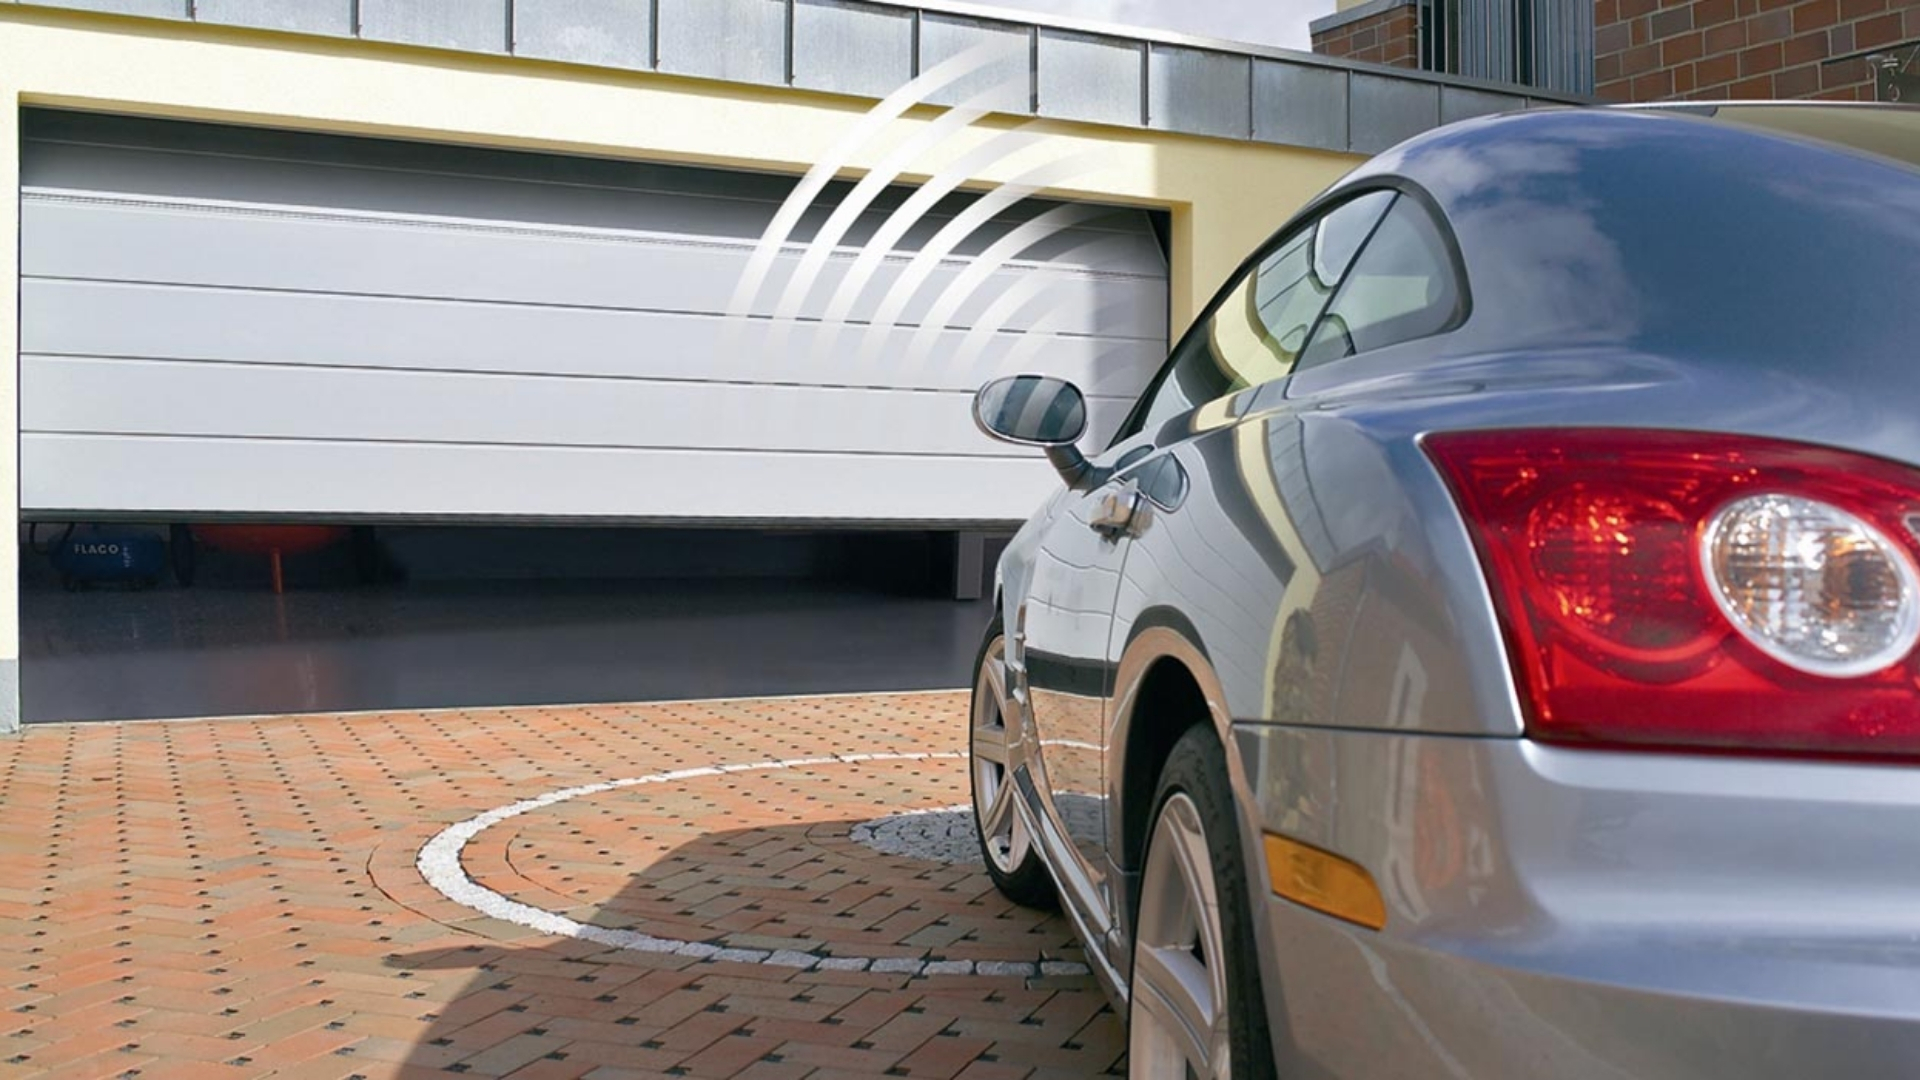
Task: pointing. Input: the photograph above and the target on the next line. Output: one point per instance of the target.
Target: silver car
(1487, 648)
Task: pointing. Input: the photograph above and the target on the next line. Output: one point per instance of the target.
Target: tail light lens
(1681, 589)
(1811, 585)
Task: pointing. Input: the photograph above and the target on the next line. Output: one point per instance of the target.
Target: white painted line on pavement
(439, 864)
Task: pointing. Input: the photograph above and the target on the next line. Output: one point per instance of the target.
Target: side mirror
(1037, 410)
(1032, 410)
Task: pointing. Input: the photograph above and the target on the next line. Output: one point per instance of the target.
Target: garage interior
(512, 387)
(473, 616)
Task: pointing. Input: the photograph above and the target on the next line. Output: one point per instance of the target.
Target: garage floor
(491, 634)
(246, 898)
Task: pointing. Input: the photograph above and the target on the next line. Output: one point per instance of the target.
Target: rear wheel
(1194, 1007)
(993, 750)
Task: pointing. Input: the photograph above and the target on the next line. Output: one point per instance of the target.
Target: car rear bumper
(1570, 913)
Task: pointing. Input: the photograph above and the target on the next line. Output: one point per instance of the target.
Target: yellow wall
(1224, 196)
(9, 406)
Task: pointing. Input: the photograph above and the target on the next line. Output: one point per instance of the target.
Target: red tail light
(1682, 589)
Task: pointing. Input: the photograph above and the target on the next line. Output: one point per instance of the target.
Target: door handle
(1120, 512)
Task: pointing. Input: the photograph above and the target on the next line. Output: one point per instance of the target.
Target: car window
(1257, 329)
(1164, 481)
(1401, 287)
(1131, 458)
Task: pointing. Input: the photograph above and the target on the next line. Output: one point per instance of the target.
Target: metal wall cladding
(298, 16)
(1091, 78)
(1200, 92)
(1486, 39)
(1387, 110)
(1563, 46)
(1462, 103)
(740, 40)
(851, 48)
(166, 9)
(1300, 105)
(1003, 79)
(470, 25)
(1558, 44)
(617, 33)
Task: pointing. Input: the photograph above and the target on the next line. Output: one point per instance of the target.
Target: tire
(1011, 859)
(1194, 824)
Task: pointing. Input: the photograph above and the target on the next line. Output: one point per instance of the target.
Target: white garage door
(222, 321)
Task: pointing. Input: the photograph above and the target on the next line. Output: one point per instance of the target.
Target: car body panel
(1592, 913)
(1551, 911)
(1068, 607)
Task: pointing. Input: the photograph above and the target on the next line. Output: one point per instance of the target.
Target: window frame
(1454, 264)
(1309, 216)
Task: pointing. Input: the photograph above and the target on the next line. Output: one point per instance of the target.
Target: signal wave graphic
(871, 273)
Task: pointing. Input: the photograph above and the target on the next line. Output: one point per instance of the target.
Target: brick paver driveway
(241, 898)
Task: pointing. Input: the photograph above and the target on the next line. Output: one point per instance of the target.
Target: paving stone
(947, 967)
(240, 897)
(844, 963)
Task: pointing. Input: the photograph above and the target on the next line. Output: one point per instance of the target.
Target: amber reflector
(1324, 882)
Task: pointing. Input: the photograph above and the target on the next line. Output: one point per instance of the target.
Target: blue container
(90, 554)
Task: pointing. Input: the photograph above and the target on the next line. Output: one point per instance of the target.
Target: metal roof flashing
(1075, 70)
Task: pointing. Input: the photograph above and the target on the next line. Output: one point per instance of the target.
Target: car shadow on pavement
(826, 955)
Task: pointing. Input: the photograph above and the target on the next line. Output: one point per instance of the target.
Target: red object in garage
(270, 540)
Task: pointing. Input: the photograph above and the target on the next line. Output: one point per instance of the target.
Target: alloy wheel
(992, 743)
(1179, 988)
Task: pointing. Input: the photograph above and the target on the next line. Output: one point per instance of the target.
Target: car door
(1061, 630)
(1249, 568)
(1250, 335)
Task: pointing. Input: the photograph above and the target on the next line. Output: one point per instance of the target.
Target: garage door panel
(219, 320)
(290, 478)
(414, 258)
(580, 192)
(144, 397)
(113, 319)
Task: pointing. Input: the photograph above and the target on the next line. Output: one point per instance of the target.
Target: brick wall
(1387, 37)
(1653, 50)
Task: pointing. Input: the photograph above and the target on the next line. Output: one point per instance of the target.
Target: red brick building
(1653, 50)
(1390, 35)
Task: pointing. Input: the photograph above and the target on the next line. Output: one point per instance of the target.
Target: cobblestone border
(942, 834)
(439, 864)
